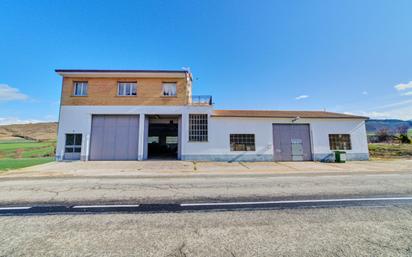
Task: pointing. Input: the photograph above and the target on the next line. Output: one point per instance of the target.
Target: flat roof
(119, 71)
(122, 73)
(284, 114)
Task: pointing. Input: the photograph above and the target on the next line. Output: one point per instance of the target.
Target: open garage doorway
(163, 139)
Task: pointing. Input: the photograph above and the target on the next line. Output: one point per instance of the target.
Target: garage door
(114, 137)
(291, 142)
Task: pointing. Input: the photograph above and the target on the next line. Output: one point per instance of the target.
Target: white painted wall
(77, 119)
(322, 128)
(221, 127)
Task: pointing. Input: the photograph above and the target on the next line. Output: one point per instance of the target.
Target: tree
(402, 130)
(383, 134)
(403, 134)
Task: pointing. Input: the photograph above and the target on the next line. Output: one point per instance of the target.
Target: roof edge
(288, 117)
(119, 71)
(240, 114)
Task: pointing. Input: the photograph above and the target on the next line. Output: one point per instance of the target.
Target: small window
(80, 89)
(340, 142)
(153, 139)
(242, 142)
(73, 143)
(198, 127)
(169, 89)
(126, 89)
(171, 140)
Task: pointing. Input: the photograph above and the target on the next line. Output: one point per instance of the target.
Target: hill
(392, 124)
(32, 131)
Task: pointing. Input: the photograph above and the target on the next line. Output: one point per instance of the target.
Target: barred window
(197, 127)
(242, 142)
(340, 142)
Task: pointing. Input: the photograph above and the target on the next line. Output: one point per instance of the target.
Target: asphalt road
(359, 231)
(263, 187)
(206, 206)
(286, 226)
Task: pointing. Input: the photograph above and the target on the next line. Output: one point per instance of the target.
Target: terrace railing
(202, 100)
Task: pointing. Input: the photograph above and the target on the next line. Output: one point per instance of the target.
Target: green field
(23, 153)
(390, 151)
(410, 133)
(10, 164)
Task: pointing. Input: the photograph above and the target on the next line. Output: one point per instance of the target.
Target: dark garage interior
(163, 138)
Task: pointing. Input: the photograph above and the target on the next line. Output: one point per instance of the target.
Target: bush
(404, 139)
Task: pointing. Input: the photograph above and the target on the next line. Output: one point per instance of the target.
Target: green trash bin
(340, 156)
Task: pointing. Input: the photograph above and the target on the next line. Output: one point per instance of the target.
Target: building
(151, 114)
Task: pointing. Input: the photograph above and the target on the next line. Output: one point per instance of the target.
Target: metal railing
(202, 100)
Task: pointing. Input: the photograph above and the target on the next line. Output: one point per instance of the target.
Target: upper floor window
(80, 88)
(198, 127)
(169, 89)
(126, 89)
(340, 142)
(242, 142)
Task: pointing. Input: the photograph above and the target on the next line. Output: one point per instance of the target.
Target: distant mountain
(392, 124)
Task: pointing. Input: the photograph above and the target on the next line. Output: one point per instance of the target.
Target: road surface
(349, 231)
(241, 215)
(263, 187)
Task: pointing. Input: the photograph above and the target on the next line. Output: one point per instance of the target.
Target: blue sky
(343, 56)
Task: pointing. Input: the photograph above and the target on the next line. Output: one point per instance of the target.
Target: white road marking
(228, 203)
(105, 206)
(299, 201)
(14, 208)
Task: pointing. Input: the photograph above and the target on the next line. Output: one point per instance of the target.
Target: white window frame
(83, 88)
(169, 84)
(127, 89)
(75, 148)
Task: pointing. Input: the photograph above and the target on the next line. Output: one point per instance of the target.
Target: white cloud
(301, 97)
(16, 120)
(407, 93)
(397, 104)
(8, 93)
(401, 109)
(349, 113)
(402, 112)
(403, 86)
(377, 115)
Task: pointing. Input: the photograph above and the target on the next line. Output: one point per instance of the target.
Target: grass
(26, 149)
(390, 151)
(11, 164)
(16, 140)
(410, 133)
(15, 154)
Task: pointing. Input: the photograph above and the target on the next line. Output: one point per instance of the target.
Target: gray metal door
(114, 137)
(291, 142)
